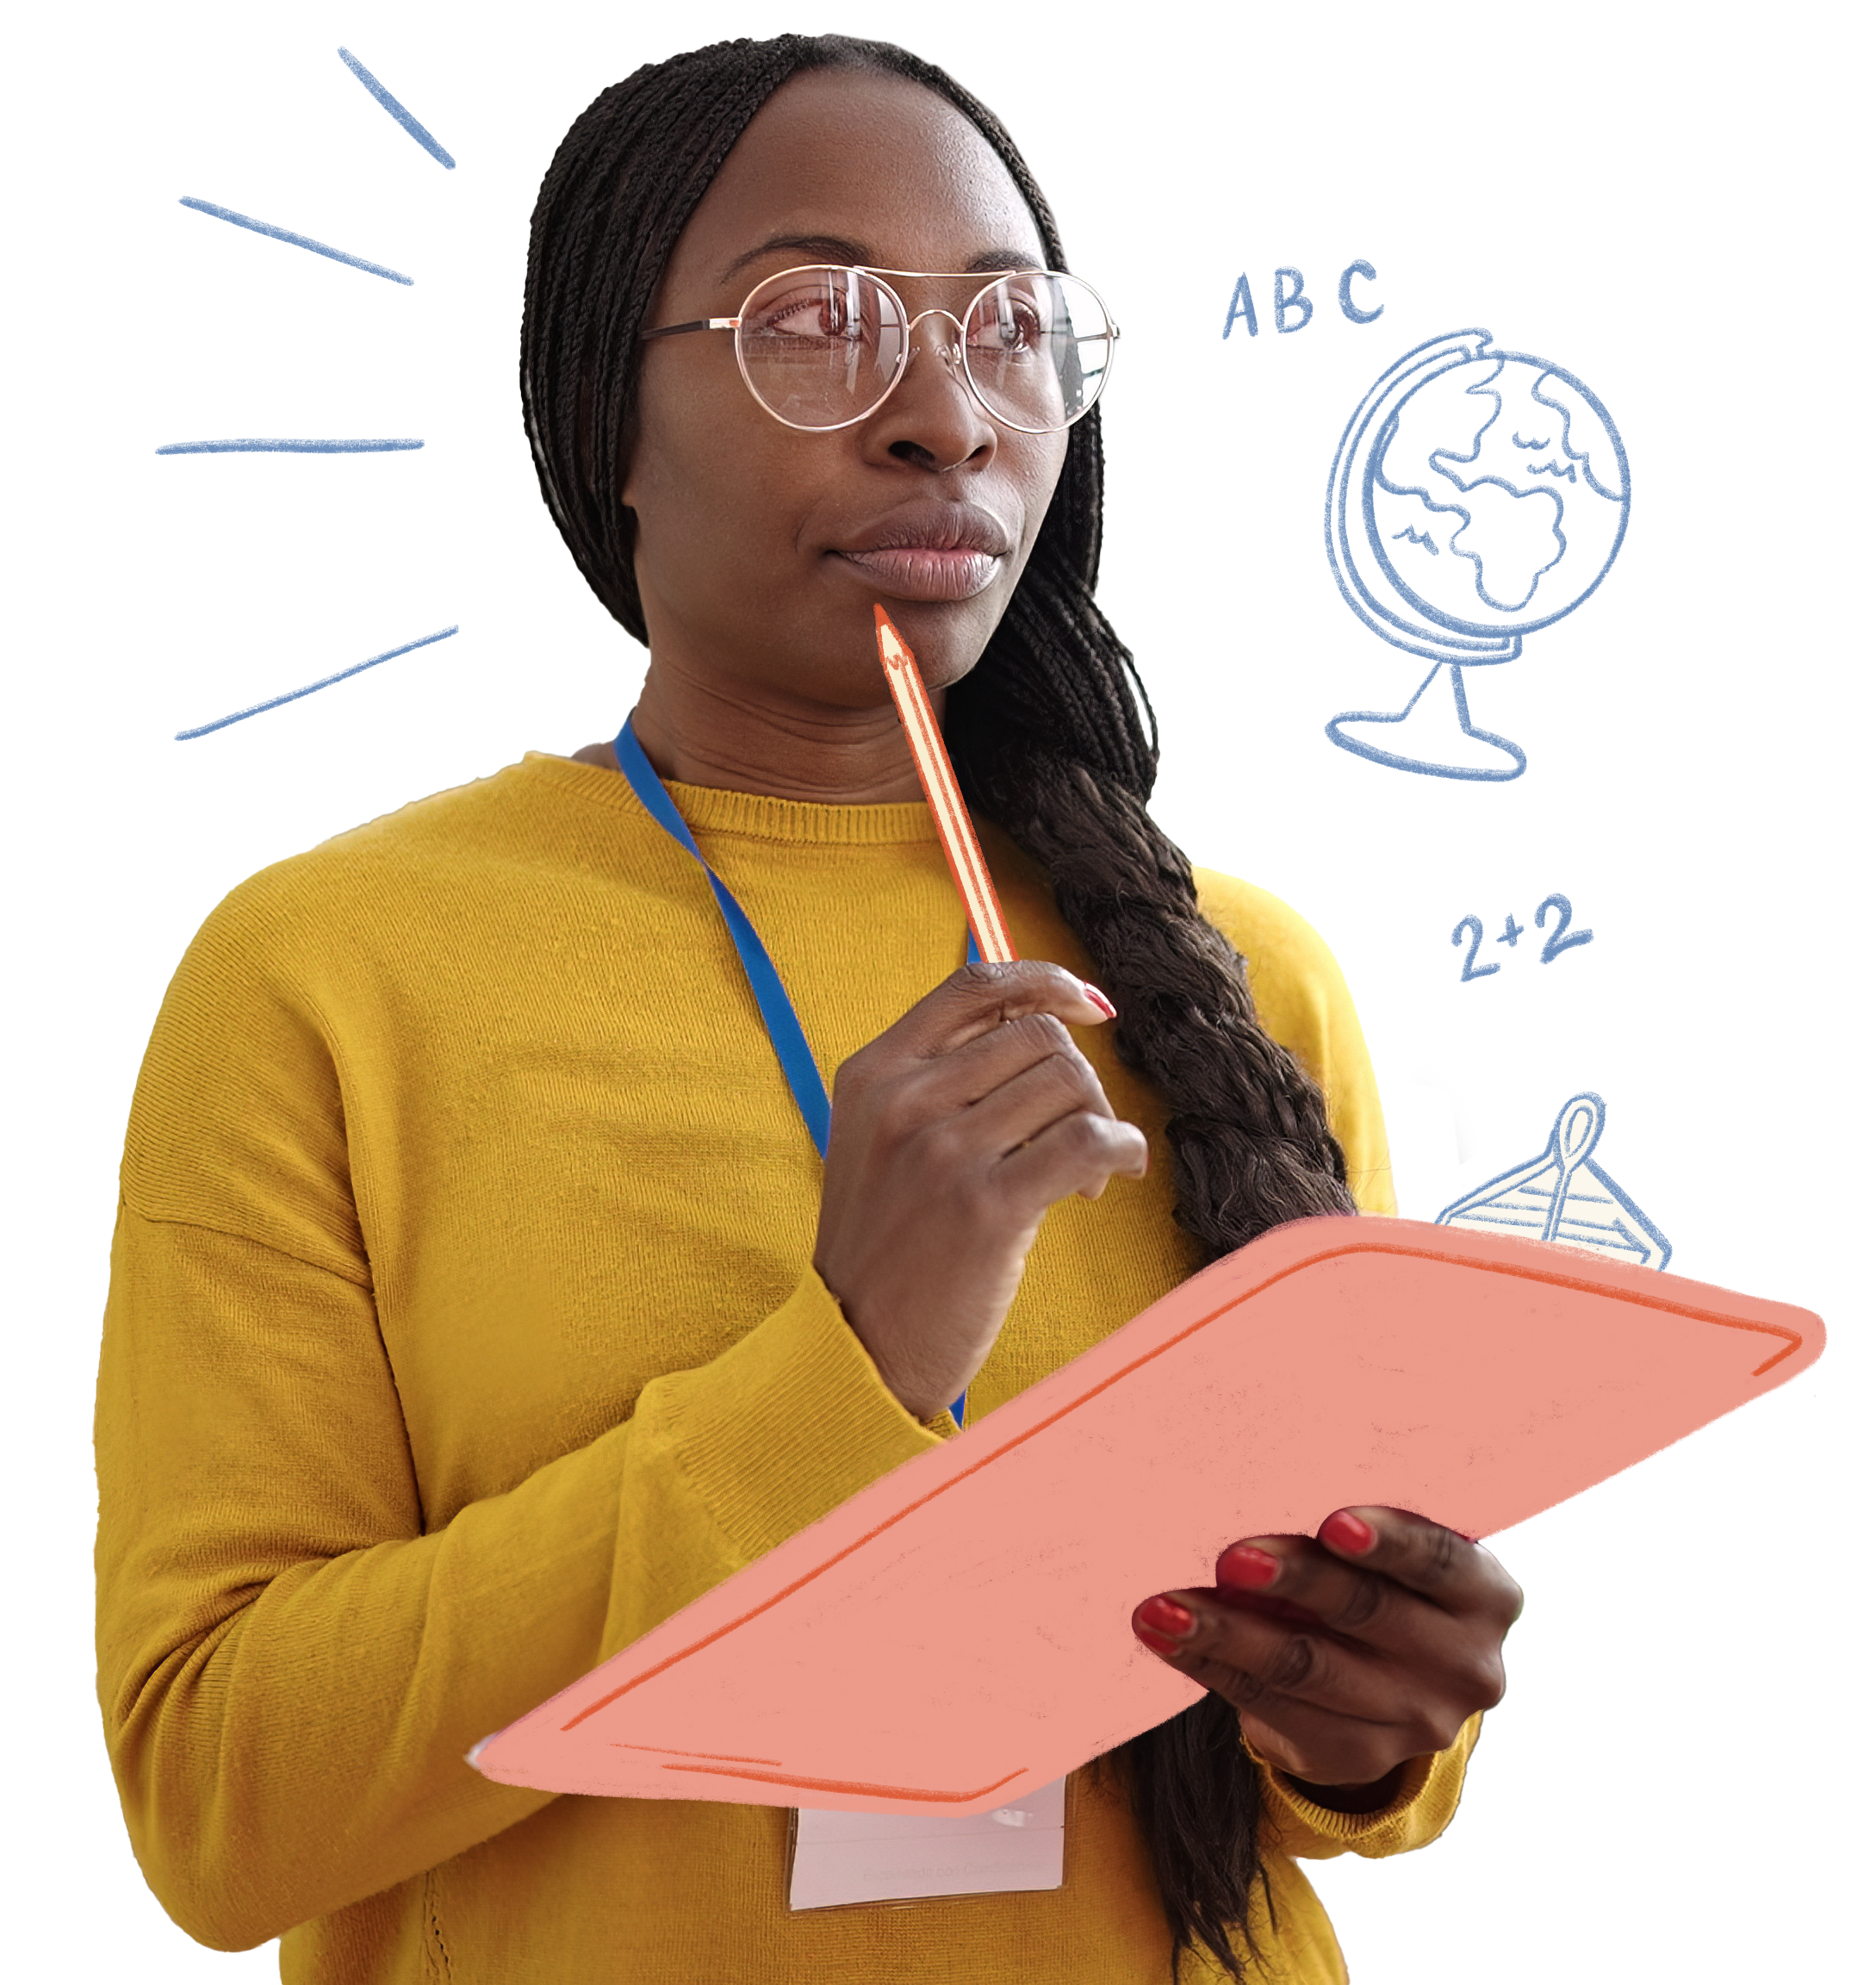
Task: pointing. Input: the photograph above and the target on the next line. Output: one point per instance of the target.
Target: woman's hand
(1346, 1654)
(953, 1133)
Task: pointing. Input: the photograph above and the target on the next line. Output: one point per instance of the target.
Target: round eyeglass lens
(821, 348)
(1037, 349)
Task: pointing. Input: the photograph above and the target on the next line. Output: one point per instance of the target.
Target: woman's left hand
(1349, 1654)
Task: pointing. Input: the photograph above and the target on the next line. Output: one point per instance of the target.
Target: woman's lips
(922, 572)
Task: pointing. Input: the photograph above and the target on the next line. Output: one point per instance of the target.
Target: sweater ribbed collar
(753, 816)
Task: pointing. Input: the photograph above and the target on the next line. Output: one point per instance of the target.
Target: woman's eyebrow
(820, 247)
(996, 258)
(846, 253)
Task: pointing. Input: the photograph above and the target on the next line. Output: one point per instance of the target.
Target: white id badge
(897, 1858)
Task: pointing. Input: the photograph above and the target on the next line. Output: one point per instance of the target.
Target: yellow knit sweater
(462, 1328)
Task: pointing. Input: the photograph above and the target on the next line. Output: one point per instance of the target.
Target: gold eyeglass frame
(956, 354)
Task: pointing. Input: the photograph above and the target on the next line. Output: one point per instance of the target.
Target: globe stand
(1429, 735)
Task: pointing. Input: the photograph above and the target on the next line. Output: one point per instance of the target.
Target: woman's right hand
(953, 1133)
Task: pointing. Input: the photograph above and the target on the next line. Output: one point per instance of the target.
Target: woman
(478, 1298)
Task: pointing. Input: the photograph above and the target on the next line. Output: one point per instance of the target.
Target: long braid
(1249, 1131)
(1048, 736)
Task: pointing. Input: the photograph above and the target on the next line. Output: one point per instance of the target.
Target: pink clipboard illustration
(1475, 1378)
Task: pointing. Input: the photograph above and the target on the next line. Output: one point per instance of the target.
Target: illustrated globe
(1475, 496)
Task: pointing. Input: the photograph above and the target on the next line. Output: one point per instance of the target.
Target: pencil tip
(893, 652)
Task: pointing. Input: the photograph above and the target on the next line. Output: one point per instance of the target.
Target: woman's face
(760, 550)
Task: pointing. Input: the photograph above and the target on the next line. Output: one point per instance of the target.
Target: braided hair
(1048, 736)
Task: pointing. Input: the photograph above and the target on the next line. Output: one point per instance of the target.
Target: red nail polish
(1157, 1642)
(1247, 1567)
(1097, 997)
(1348, 1532)
(1164, 1616)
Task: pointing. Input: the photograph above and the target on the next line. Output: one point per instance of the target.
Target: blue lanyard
(778, 1011)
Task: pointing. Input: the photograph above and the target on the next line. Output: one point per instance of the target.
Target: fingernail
(1097, 997)
(1163, 1618)
(1248, 1568)
(1348, 1532)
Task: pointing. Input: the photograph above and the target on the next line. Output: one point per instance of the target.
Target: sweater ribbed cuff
(789, 1422)
(1419, 1812)
(1347, 1827)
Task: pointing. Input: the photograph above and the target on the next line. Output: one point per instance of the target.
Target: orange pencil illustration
(969, 869)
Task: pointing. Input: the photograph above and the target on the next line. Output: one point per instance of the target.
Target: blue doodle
(1419, 538)
(1556, 943)
(286, 447)
(1344, 293)
(1285, 299)
(324, 682)
(1519, 441)
(1471, 968)
(396, 110)
(1511, 932)
(275, 234)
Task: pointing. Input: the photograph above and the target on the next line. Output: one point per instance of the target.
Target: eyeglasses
(821, 347)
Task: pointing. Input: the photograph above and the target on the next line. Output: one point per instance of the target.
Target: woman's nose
(932, 415)
(945, 345)
(940, 348)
